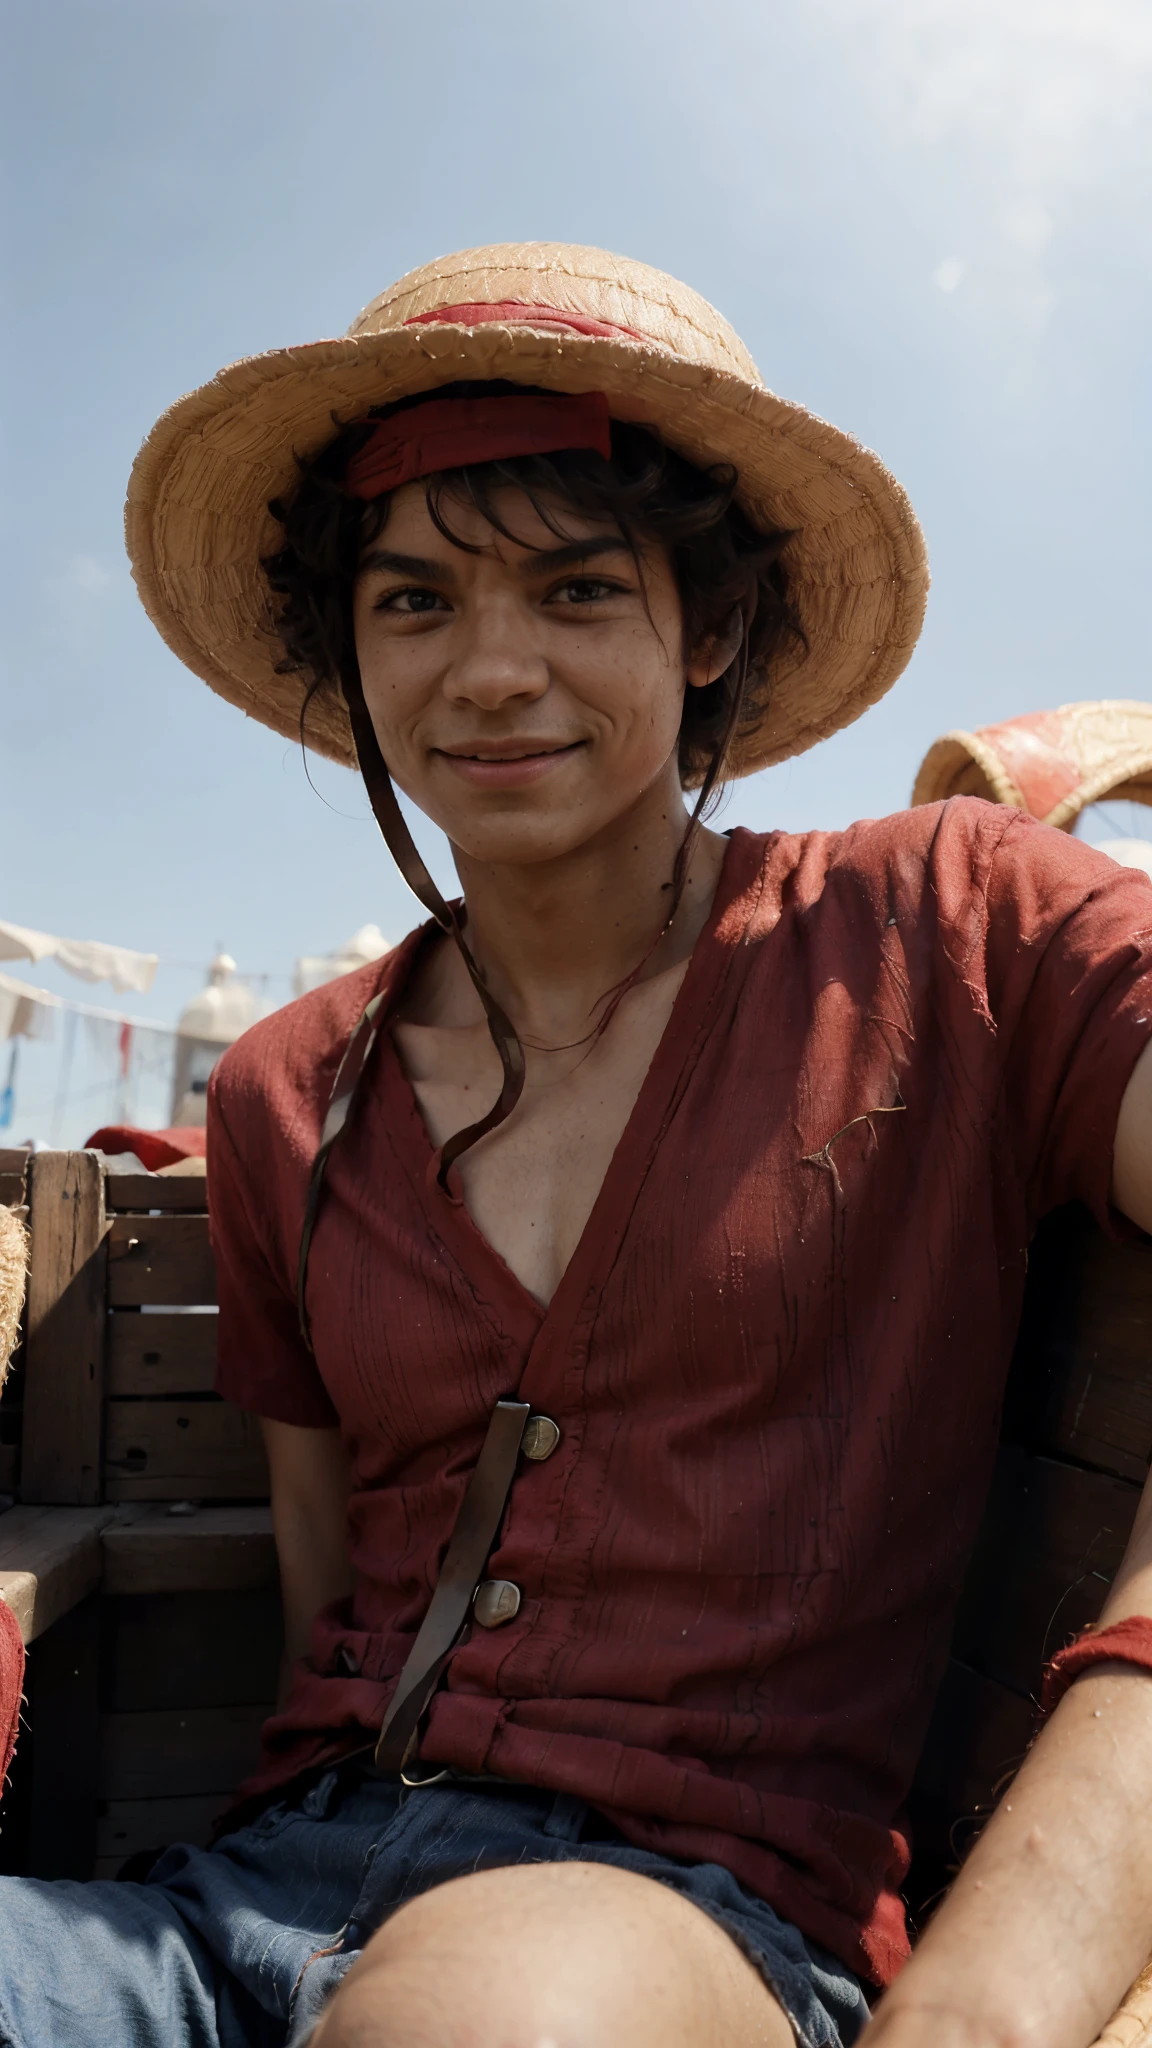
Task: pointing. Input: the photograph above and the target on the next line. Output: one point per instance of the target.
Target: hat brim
(197, 519)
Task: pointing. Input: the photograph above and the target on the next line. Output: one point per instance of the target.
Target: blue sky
(929, 220)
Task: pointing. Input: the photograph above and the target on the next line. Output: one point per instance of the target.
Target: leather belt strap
(469, 1549)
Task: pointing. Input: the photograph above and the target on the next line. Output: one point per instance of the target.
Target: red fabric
(1125, 1642)
(11, 1686)
(152, 1148)
(776, 1358)
(521, 312)
(446, 433)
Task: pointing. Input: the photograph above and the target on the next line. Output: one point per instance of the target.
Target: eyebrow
(571, 552)
(424, 569)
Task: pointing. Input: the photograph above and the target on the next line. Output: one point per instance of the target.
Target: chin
(523, 842)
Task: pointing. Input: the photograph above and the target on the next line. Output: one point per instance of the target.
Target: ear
(714, 655)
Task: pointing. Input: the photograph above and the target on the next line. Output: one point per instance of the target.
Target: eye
(585, 590)
(410, 602)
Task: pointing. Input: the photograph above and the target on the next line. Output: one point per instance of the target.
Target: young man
(626, 1270)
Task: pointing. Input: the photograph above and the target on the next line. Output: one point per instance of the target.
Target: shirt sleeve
(1069, 981)
(263, 1364)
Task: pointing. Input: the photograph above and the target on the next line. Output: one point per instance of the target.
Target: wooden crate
(141, 1562)
(187, 1680)
(121, 1345)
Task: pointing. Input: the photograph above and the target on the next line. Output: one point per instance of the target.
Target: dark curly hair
(722, 564)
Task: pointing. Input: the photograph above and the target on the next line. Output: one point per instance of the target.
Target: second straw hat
(1049, 763)
(566, 319)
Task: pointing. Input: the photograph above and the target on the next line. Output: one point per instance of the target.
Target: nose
(497, 658)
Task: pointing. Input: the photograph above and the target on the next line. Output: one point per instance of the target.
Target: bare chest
(531, 1185)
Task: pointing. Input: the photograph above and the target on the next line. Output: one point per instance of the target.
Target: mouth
(507, 763)
(507, 750)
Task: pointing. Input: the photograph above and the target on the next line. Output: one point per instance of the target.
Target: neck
(554, 938)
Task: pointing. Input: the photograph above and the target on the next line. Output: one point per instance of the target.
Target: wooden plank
(167, 1353)
(1049, 1546)
(162, 1260)
(129, 1827)
(179, 1753)
(214, 1550)
(1081, 1384)
(63, 1722)
(183, 1450)
(191, 1650)
(9, 1465)
(13, 1176)
(64, 1323)
(174, 1193)
(50, 1559)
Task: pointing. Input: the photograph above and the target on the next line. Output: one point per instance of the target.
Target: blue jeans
(242, 1945)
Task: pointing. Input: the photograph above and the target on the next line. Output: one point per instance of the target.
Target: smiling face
(527, 696)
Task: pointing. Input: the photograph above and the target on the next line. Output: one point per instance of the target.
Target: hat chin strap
(401, 845)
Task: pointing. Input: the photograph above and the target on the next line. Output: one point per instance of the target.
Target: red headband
(523, 313)
(446, 433)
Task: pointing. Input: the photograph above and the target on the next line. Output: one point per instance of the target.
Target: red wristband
(1126, 1642)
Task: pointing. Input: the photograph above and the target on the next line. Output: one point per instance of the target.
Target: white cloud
(1025, 109)
(1029, 224)
(1059, 88)
(80, 600)
(85, 573)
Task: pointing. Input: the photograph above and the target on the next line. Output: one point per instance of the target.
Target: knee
(552, 1956)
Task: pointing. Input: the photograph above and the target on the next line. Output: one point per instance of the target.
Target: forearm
(309, 1473)
(1050, 1919)
(314, 1569)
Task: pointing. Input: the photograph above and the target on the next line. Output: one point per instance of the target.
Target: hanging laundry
(102, 1034)
(8, 1093)
(25, 1012)
(125, 1112)
(90, 959)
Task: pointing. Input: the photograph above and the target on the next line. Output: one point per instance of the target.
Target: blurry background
(929, 220)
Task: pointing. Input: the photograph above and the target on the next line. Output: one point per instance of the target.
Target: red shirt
(776, 1358)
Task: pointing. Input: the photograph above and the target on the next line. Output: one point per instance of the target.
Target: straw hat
(567, 319)
(1050, 763)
